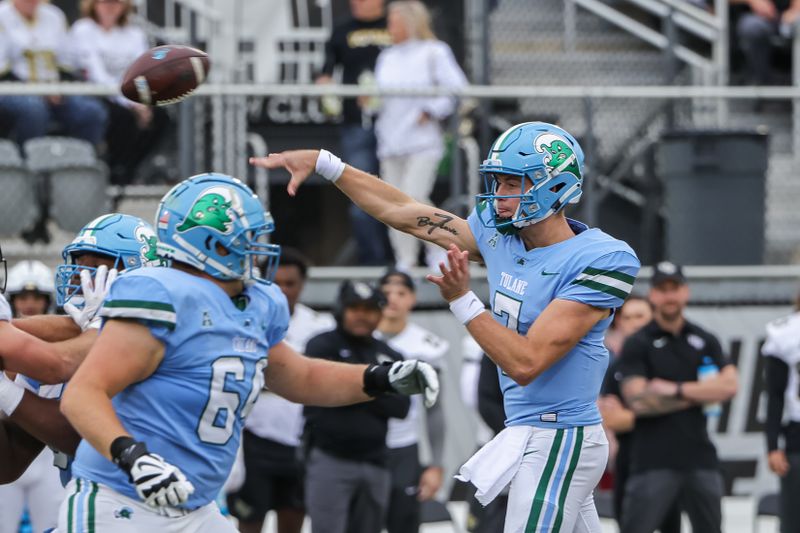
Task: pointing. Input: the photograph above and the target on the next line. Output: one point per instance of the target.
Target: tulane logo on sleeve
(212, 209)
(559, 155)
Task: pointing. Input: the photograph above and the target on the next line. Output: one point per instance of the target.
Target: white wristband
(329, 166)
(467, 307)
(10, 394)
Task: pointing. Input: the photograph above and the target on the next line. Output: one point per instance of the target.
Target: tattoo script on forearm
(432, 224)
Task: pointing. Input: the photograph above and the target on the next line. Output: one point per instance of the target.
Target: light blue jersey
(192, 408)
(591, 268)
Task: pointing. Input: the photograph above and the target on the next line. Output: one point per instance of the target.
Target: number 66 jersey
(592, 268)
(192, 408)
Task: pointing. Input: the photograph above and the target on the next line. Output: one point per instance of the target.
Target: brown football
(165, 74)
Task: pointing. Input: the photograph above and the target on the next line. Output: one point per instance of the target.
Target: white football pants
(552, 490)
(90, 506)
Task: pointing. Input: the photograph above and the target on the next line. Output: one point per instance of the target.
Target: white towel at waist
(493, 467)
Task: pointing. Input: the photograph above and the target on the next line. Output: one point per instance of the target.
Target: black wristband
(376, 379)
(679, 391)
(125, 450)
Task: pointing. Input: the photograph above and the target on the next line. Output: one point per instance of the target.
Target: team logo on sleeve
(212, 209)
(559, 155)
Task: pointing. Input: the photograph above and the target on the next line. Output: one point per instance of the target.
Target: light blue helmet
(550, 162)
(129, 240)
(216, 224)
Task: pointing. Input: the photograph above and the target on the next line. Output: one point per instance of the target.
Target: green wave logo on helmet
(559, 155)
(148, 238)
(212, 210)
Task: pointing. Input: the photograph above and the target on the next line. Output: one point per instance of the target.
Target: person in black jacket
(347, 478)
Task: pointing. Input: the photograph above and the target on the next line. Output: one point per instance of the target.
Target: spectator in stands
(106, 42)
(271, 438)
(782, 359)
(410, 138)
(354, 46)
(347, 477)
(34, 47)
(411, 483)
(673, 373)
(30, 292)
(618, 418)
(757, 29)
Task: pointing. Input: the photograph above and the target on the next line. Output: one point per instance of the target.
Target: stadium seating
(77, 179)
(18, 202)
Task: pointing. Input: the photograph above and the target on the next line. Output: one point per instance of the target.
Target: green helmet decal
(148, 238)
(210, 210)
(561, 155)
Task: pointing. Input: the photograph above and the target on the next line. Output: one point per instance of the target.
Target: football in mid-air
(165, 74)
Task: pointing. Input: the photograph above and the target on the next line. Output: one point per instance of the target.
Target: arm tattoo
(646, 404)
(426, 221)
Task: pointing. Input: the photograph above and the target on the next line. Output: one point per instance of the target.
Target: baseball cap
(397, 276)
(667, 271)
(357, 292)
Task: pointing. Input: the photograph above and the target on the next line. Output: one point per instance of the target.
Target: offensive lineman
(554, 284)
(182, 356)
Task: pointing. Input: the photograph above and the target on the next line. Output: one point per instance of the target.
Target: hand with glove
(94, 293)
(406, 377)
(157, 482)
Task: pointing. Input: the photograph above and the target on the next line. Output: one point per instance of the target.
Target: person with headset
(348, 481)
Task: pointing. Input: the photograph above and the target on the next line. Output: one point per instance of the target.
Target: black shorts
(273, 479)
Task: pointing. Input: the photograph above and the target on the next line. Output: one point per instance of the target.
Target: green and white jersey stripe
(612, 282)
(156, 312)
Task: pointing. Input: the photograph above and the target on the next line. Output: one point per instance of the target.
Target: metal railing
(230, 150)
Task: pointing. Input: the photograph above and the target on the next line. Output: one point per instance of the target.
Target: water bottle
(706, 371)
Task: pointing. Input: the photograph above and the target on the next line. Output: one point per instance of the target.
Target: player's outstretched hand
(415, 377)
(94, 291)
(157, 482)
(299, 163)
(454, 281)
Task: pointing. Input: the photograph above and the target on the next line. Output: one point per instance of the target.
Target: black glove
(157, 482)
(406, 377)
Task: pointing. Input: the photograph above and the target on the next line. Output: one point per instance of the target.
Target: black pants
(403, 514)
(790, 496)
(672, 519)
(127, 144)
(650, 495)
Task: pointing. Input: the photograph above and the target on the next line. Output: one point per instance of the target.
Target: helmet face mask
(549, 163)
(215, 223)
(128, 241)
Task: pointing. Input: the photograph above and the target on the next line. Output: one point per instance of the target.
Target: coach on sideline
(674, 375)
(347, 475)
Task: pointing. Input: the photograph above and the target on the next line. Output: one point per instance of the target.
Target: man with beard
(674, 375)
(348, 481)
